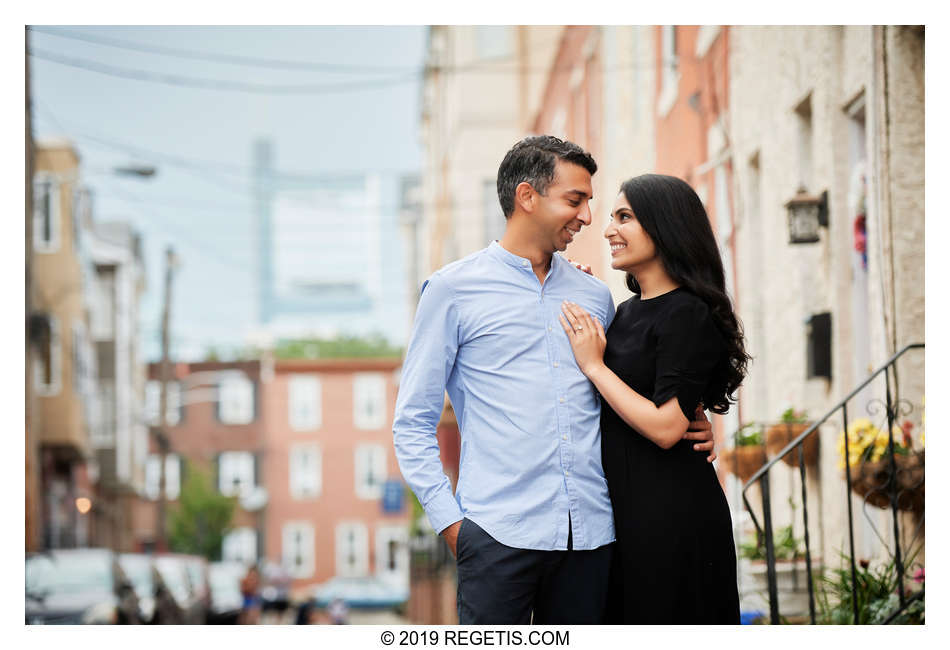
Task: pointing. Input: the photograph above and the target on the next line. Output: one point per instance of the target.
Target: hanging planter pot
(744, 461)
(869, 480)
(779, 435)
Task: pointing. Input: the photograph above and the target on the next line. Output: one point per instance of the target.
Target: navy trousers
(498, 584)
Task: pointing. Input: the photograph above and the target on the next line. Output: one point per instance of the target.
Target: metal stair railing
(762, 478)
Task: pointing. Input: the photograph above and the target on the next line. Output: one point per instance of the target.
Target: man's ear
(525, 197)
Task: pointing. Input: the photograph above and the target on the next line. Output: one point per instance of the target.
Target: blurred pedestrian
(250, 592)
(338, 611)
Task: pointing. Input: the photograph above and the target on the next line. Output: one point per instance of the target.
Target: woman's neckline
(657, 297)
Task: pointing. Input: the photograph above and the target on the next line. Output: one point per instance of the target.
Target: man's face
(563, 210)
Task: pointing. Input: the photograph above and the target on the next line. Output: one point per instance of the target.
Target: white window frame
(55, 384)
(399, 535)
(369, 460)
(352, 549)
(306, 481)
(240, 545)
(705, 38)
(236, 400)
(51, 245)
(153, 398)
(670, 73)
(172, 476)
(235, 473)
(369, 389)
(297, 541)
(81, 208)
(305, 402)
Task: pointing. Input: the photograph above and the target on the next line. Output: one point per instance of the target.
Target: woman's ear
(525, 196)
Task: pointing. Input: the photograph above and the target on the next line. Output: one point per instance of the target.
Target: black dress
(675, 560)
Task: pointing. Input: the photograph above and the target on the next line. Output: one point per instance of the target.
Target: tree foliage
(202, 518)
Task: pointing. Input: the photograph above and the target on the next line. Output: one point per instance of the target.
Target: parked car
(78, 586)
(138, 568)
(177, 602)
(224, 579)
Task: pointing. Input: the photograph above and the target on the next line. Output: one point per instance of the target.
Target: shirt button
(566, 473)
(524, 263)
(549, 328)
(555, 364)
(561, 400)
(563, 437)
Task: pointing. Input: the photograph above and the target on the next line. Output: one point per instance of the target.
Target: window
(153, 398)
(352, 549)
(47, 370)
(306, 475)
(392, 553)
(493, 41)
(803, 116)
(46, 213)
(298, 549)
(102, 308)
(240, 545)
(491, 209)
(153, 466)
(81, 360)
(370, 471)
(235, 472)
(236, 400)
(305, 403)
(369, 400)
(670, 70)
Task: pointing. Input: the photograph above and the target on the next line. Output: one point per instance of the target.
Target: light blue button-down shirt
(488, 332)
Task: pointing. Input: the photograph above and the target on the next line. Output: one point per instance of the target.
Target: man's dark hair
(532, 160)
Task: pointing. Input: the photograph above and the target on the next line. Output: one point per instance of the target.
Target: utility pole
(161, 431)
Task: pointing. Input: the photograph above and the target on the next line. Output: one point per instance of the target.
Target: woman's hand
(586, 335)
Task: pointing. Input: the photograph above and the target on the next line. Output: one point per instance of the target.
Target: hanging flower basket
(744, 461)
(870, 481)
(779, 435)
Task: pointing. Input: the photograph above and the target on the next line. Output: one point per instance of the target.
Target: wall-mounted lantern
(806, 213)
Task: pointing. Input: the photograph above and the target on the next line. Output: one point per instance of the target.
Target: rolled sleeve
(429, 360)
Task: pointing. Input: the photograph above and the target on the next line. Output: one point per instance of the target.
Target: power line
(223, 58)
(220, 84)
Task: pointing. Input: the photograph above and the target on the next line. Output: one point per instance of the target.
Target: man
(530, 523)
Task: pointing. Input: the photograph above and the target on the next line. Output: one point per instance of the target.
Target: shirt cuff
(443, 511)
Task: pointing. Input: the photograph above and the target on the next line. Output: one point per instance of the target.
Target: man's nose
(584, 214)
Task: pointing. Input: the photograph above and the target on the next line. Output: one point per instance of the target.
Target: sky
(341, 100)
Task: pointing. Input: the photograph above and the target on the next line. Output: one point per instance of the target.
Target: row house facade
(59, 419)
(836, 111)
(305, 446)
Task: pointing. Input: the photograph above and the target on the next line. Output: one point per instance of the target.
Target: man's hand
(701, 429)
(451, 535)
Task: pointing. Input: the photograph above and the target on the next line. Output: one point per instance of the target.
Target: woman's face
(630, 245)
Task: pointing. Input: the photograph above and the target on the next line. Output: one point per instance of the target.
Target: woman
(674, 345)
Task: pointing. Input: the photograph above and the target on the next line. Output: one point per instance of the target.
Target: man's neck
(524, 245)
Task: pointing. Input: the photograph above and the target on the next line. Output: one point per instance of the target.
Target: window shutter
(217, 472)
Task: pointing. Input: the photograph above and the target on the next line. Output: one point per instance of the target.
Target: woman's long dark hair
(673, 216)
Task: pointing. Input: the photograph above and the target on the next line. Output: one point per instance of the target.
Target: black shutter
(819, 346)
(216, 474)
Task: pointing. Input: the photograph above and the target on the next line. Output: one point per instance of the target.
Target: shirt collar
(502, 254)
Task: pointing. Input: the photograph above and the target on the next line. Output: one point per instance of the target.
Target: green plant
(202, 518)
(787, 546)
(876, 594)
(791, 416)
(749, 434)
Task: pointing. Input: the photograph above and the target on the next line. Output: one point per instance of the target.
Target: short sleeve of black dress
(689, 347)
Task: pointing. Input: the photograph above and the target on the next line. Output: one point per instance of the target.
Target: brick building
(306, 447)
